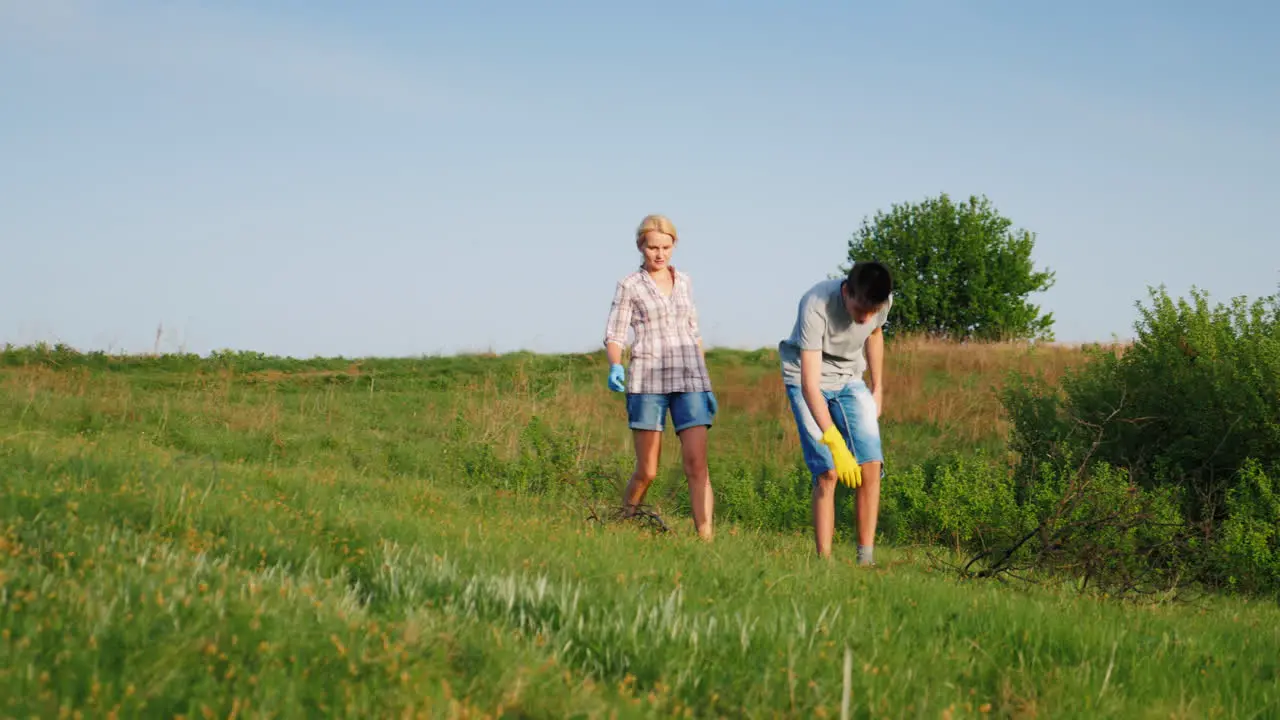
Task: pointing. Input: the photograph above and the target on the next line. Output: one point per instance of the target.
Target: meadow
(246, 536)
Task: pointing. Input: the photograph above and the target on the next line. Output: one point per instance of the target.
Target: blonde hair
(656, 223)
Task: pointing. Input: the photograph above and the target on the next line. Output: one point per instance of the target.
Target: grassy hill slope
(256, 537)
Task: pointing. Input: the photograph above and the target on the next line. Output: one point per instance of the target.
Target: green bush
(1247, 551)
(1186, 413)
(1195, 397)
(760, 495)
(960, 502)
(1095, 524)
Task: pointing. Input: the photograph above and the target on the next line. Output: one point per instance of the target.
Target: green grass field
(251, 537)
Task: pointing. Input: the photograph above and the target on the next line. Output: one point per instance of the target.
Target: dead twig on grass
(643, 515)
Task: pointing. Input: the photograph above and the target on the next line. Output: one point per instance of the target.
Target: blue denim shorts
(853, 410)
(648, 411)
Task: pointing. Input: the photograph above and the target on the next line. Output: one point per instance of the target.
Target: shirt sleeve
(883, 316)
(693, 310)
(619, 317)
(812, 322)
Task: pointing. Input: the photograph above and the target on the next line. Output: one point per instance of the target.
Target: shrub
(1247, 551)
(760, 495)
(1093, 523)
(1183, 413)
(959, 502)
(1194, 398)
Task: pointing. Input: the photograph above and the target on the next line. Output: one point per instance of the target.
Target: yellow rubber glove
(847, 468)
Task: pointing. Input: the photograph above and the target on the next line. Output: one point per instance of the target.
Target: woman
(668, 372)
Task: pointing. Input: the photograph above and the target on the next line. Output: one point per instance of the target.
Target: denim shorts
(648, 411)
(853, 410)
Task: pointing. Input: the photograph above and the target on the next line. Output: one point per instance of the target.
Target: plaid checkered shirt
(665, 357)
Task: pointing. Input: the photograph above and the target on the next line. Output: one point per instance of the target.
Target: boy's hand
(847, 469)
(878, 396)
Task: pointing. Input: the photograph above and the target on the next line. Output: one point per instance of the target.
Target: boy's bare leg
(693, 445)
(868, 508)
(824, 512)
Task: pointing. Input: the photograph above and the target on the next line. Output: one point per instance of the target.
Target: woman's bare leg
(648, 451)
(693, 445)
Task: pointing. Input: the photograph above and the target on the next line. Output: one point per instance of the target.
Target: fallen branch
(642, 514)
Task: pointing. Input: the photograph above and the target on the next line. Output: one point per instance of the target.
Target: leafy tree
(960, 270)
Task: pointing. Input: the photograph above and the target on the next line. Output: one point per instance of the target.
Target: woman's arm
(619, 323)
(694, 328)
(614, 352)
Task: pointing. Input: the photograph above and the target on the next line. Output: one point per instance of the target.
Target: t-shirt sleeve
(883, 316)
(812, 323)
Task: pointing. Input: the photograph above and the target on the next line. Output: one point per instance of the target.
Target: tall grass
(291, 540)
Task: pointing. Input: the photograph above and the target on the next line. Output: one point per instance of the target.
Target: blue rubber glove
(617, 378)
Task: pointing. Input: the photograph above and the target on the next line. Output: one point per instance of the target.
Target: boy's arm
(875, 368)
(811, 388)
(812, 328)
(812, 324)
(846, 464)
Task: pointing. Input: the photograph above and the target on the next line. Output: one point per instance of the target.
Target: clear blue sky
(398, 178)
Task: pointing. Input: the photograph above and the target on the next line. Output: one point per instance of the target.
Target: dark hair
(869, 284)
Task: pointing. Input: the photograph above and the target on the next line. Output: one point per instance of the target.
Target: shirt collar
(646, 277)
(837, 303)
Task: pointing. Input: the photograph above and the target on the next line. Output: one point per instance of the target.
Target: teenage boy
(837, 337)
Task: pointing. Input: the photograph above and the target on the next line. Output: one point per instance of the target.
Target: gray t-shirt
(823, 323)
